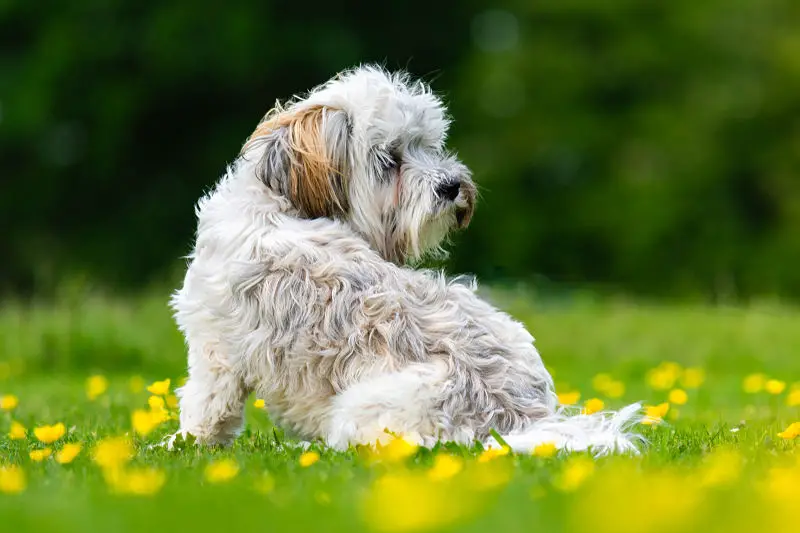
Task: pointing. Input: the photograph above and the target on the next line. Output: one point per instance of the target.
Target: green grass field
(715, 463)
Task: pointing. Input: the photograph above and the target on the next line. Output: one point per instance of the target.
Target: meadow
(84, 397)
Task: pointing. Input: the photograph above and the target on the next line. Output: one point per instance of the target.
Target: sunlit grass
(86, 397)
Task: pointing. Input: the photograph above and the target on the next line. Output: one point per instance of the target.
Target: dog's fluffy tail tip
(601, 433)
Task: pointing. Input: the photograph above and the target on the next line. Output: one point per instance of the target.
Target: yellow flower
(663, 376)
(68, 453)
(38, 456)
(546, 449)
(136, 384)
(221, 471)
(608, 386)
(172, 401)
(159, 388)
(156, 403)
(266, 484)
(8, 402)
(754, 383)
(12, 479)
(95, 386)
(135, 481)
(492, 453)
(655, 413)
(678, 396)
(258, 404)
(17, 431)
(601, 382)
(652, 502)
(791, 432)
(593, 405)
(721, 468)
(404, 501)
(49, 434)
(569, 398)
(444, 467)
(396, 450)
(774, 386)
(793, 398)
(112, 453)
(309, 458)
(144, 422)
(615, 389)
(575, 472)
(693, 377)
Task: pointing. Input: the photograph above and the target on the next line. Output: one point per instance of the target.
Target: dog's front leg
(212, 400)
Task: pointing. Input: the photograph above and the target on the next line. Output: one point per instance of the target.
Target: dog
(300, 289)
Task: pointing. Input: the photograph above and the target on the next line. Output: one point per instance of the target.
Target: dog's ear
(305, 158)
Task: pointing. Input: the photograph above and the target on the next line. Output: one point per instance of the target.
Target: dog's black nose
(449, 189)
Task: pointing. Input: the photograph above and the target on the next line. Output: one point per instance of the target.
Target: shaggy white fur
(297, 288)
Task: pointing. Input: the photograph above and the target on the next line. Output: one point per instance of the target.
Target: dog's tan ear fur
(315, 181)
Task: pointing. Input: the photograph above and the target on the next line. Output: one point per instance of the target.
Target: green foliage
(646, 146)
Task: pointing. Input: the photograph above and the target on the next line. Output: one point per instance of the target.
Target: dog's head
(367, 148)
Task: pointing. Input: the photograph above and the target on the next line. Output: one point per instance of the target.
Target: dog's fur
(297, 287)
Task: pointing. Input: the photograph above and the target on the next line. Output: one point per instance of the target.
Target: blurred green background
(630, 146)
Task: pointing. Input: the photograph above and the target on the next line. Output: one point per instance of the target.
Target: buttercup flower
(593, 405)
(68, 453)
(38, 456)
(156, 403)
(405, 501)
(144, 422)
(791, 432)
(693, 377)
(135, 481)
(309, 458)
(258, 404)
(266, 484)
(172, 401)
(444, 467)
(396, 450)
(655, 413)
(49, 434)
(159, 388)
(546, 449)
(221, 471)
(774, 386)
(112, 453)
(575, 472)
(793, 398)
(615, 389)
(721, 468)
(492, 453)
(608, 386)
(96, 386)
(754, 383)
(569, 398)
(678, 396)
(663, 376)
(12, 479)
(17, 431)
(8, 402)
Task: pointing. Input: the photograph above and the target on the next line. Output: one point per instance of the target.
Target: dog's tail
(601, 433)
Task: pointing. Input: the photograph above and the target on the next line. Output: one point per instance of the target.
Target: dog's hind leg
(212, 400)
(406, 402)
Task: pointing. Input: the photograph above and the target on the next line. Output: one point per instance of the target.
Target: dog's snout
(449, 190)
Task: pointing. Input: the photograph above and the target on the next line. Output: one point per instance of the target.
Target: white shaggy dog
(297, 288)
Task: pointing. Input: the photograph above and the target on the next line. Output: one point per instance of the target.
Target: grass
(717, 465)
